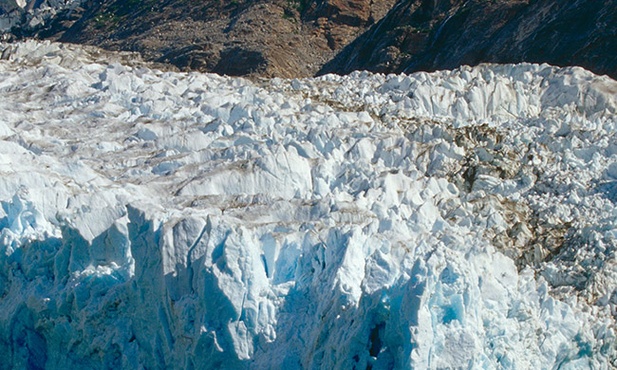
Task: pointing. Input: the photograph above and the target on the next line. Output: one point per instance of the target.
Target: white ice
(457, 219)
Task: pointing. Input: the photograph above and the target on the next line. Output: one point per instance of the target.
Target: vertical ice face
(461, 218)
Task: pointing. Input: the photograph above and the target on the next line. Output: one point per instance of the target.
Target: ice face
(455, 219)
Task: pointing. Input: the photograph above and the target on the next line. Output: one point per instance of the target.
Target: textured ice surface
(458, 219)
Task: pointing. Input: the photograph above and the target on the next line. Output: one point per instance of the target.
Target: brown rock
(299, 38)
(286, 38)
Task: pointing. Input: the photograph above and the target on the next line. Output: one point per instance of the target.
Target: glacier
(28, 15)
(455, 219)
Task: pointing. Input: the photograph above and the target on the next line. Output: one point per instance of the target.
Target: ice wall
(461, 218)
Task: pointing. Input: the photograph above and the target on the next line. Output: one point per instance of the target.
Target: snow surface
(457, 219)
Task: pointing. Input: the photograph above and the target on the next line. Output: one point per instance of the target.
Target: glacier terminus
(455, 219)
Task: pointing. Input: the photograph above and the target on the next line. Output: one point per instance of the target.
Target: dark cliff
(442, 34)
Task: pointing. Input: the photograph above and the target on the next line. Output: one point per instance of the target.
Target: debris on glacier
(455, 219)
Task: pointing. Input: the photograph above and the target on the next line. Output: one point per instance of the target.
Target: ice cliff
(458, 219)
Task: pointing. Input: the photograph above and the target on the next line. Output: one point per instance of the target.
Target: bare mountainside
(286, 38)
(444, 34)
(298, 38)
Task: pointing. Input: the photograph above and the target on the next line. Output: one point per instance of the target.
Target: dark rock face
(238, 62)
(441, 34)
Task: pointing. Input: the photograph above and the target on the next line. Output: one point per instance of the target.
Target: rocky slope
(295, 38)
(442, 34)
(287, 38)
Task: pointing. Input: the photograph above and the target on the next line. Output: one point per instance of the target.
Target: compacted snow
(458, 219)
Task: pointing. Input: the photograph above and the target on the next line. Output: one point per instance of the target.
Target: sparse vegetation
(299, 5)
(106, 20)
